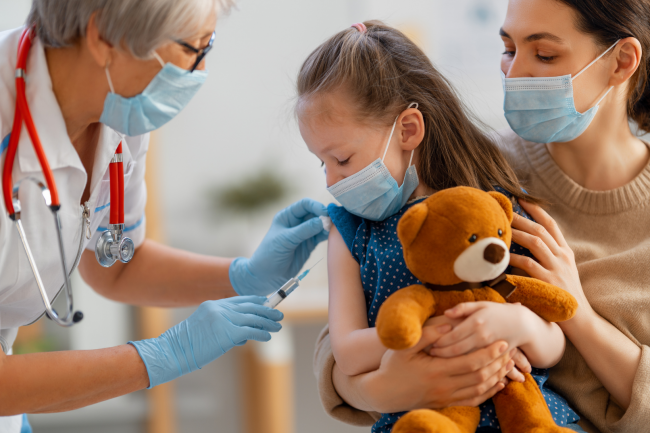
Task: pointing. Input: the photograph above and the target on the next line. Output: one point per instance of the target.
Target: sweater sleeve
(332, 402)
(637, 416)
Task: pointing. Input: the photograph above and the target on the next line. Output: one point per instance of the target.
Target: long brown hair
(611, 20)
(383, 71)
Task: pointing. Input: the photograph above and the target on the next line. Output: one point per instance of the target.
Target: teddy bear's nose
(494, 253)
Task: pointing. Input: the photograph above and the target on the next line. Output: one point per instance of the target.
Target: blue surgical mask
(542, 109)
(372, 193)
(166, 95)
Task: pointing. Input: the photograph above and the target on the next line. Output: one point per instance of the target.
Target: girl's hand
(521, 366)
(555, 260)
(484, 323)
(411, 379)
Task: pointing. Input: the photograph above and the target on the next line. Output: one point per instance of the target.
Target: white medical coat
(20, 301)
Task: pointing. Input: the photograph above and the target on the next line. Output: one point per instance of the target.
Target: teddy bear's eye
(473, 238)
(500, 232)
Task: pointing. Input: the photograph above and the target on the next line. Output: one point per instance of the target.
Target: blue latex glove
(293, 235)
(212, 330)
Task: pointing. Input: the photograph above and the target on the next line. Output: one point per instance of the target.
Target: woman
(594, 172)
(100, 73)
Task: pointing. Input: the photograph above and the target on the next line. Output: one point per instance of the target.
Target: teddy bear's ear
(505, 204)
(410, 224)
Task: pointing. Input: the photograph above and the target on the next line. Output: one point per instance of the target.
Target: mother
(594, 242)
(100, 75)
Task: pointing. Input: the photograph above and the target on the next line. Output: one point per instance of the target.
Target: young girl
(390, 131)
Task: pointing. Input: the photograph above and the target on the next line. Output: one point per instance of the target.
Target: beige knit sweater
(609, 233)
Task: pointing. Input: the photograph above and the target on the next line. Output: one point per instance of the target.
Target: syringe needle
(314, 265)
(304, 274)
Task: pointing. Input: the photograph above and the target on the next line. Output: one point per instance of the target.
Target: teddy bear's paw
(400, 318)
(425, 421)
(399, 335)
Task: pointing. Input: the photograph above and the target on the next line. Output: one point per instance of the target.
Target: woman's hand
(211, 331)
(293, 235)
(412, 379)
(555, 260)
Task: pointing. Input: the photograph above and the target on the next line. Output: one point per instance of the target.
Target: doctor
(100, 73)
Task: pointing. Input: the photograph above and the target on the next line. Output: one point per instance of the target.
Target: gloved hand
(212, 330)
(293, 235)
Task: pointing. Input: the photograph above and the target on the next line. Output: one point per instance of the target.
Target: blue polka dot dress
(375, 246)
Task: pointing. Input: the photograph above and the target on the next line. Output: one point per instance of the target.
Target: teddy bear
(456, 242)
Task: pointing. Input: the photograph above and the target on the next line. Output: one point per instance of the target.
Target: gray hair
(139, 25)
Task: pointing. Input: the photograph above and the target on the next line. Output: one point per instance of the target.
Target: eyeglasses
(200, 52)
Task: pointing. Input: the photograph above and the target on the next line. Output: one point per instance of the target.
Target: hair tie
(361, 27)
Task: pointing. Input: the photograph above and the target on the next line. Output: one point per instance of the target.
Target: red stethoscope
(111, 246)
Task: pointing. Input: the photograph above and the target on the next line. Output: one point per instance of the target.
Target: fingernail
(510, 365)
(503, 348)
(443, 329)
(513, 351)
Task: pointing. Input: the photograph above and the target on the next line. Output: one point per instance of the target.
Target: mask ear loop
(606, 93)
(155, 54)
(108, 77)
(587, 67)
(411, 105)
(597, 58)
(389, 139)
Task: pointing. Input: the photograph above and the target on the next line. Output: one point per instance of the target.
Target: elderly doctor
(97, 76)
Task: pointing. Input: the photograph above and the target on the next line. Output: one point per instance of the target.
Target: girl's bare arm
(357, 348)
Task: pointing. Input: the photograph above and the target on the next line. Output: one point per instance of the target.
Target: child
(390, 131)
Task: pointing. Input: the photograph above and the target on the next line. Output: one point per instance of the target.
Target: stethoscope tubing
(23, 114)
(111, 246)
(50, 193)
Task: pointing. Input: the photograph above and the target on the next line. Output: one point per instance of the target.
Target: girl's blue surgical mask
(542, 109)
(166, 95)
(372, 193)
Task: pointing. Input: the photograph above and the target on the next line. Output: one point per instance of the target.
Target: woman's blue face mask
(372, 193)
(542, 109)
(166, 95)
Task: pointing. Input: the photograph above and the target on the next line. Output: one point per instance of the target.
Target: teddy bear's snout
(494, 253)
(483, 260)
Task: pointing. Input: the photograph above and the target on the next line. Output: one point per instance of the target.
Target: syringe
(274, 299)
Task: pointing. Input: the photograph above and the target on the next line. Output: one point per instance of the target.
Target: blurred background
(218, 173)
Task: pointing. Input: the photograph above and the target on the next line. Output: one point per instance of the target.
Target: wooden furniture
(161, 417)
(266, 371)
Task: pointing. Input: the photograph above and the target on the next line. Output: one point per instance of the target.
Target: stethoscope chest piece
(112, 246)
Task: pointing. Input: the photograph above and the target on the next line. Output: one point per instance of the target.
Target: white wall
(242, 119)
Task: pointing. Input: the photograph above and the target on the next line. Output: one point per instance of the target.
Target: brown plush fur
(433, 234)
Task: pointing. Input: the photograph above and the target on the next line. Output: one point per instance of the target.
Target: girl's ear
(411, 123)
(628, 57)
